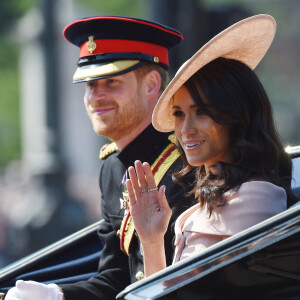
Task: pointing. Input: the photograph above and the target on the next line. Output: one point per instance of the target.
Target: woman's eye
(199, 112)
(177, 113)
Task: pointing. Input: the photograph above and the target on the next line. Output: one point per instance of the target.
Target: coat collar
(146, 147)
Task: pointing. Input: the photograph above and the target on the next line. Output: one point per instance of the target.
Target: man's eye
(90, 84)
(112, 80)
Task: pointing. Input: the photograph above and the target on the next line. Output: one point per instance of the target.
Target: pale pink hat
(247, 41)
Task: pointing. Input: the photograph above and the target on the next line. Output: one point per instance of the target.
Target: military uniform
(116, 269)
(111, 46)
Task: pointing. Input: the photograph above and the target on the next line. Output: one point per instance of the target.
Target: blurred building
(53, 191)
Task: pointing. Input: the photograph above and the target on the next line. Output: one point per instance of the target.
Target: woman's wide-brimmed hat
(247, 41)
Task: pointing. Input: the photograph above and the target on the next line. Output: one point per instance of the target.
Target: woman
(223, 122)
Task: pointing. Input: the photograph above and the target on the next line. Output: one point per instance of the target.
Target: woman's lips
(192, 145)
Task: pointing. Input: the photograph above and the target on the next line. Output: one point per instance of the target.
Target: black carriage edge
(262, 262)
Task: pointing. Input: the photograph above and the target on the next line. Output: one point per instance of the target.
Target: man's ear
(152, 83)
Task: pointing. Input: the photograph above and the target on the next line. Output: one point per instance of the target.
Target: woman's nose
(188, 126)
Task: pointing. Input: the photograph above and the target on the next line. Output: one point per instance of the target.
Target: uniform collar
(146, 147)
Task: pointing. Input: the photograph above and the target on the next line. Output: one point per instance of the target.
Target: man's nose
(96, 92)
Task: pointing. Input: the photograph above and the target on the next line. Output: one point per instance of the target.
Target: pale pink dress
(254, 202)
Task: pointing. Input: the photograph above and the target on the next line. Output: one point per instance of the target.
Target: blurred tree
(9, 81)
(9, 102)
(12, 10)
(132, 8)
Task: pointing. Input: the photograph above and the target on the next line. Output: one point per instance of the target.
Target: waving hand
(148, 205)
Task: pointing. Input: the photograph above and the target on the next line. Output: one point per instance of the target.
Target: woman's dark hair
(231, 94)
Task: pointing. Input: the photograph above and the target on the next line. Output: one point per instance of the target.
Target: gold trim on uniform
(107, 149)
(128, 233)
(172, 138)
(94, 71)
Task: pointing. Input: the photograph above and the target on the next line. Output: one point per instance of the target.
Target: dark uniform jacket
(116, 269)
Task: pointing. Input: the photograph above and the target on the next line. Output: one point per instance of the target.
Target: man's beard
(125, 119)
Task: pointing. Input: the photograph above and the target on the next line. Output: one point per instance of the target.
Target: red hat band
(105, 46)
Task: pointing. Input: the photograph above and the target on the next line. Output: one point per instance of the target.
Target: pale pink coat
(254, 202)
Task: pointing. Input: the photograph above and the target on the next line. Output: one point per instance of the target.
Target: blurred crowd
(30, 216)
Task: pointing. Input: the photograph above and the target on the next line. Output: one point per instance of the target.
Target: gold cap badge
(91, 45)
(156, 59)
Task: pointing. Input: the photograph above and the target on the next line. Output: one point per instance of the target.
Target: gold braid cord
(107, 149)
(159, 169)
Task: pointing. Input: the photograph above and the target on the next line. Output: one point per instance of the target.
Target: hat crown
(118, 27)
(117, 38)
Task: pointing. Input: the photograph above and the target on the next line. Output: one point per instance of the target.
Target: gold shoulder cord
(159, 169)
(107, 149)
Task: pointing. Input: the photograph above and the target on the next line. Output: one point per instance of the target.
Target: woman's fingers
(149, 177)
(141, 175)
(134, 181)
(141, 179)
(162, 199)
(131, 194)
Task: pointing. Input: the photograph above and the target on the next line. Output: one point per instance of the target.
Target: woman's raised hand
(148, 206)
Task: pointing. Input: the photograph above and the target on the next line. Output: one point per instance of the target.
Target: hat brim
(246, 41)
(104, 70)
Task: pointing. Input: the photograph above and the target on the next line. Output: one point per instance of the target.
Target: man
(124, 63)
